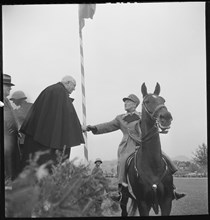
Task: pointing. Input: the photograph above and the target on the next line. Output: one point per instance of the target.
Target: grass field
(196, 200)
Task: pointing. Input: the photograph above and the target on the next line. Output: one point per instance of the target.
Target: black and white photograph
(104, 109)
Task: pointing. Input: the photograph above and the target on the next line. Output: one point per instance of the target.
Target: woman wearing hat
(11, 148)
(20, 100)
(129, 124)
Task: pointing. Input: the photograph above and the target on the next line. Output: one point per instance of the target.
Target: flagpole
(85, 11)
(83, 93)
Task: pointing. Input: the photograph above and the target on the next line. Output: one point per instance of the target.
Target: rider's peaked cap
(133, 98)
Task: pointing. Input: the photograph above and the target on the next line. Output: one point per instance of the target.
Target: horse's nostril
(168, 116)
(161, 117)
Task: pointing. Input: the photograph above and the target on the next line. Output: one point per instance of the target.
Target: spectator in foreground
(11, 148)
(52, 123)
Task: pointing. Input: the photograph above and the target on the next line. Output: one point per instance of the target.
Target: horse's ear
(143, 89)
(157, 89)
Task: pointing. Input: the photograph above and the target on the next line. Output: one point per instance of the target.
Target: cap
(133, 98)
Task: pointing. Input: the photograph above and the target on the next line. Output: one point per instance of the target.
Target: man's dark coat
(52, 120)
(11, 148)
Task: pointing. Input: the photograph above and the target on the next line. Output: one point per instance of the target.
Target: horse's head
(155, 107)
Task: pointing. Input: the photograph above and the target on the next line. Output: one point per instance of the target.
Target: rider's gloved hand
(91, 128)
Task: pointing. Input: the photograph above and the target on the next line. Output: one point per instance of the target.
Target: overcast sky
(124, 46)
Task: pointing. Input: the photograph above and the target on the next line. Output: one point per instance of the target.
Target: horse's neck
(151, 149)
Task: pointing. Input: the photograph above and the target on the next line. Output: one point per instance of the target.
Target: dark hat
(98, 160)
(7, 80)
(133, 98)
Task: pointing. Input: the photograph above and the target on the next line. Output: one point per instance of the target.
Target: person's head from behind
(69, 83)
(18, 97)
(131, 102)
(7, 85)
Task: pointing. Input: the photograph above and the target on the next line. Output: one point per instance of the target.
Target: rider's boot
(118, 197)
(172, 167)
(177, 195)
(122, 189)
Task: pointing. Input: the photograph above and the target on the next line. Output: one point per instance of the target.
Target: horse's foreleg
(165, 206)
(143, 208)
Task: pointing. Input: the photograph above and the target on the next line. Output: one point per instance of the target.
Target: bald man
(52, 123)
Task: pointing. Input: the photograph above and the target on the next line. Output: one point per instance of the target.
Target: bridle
(155, 128)
(152, 114)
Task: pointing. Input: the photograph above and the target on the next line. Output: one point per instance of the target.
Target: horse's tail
(155, 204)
(132, 208)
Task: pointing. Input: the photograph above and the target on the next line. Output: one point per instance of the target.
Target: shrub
(69, 191)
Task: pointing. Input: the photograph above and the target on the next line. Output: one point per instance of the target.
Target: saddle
(132, 156)
(127, 164)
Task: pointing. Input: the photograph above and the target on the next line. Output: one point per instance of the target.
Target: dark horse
(149, 177)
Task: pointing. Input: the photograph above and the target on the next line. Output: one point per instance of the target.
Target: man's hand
(84, 128)
(1, 104)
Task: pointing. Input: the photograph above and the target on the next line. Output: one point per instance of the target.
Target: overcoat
(52, 122)
(131, 131)
(11, 148)
(20, 114)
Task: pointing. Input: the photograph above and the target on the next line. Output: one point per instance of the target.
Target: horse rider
(129, 124)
